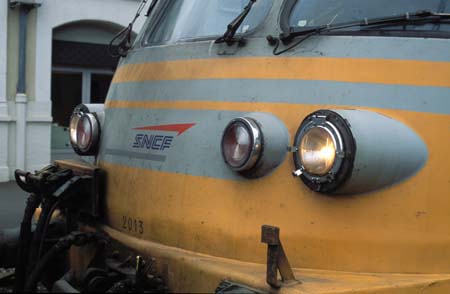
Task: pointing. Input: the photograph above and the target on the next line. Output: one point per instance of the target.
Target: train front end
(307, 151)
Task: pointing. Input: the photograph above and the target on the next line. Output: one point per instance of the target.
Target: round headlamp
(84, 131)
(325, 151)
(255, 144)
(318, 150)
(241, 144)
(73, 128)
(87, 133)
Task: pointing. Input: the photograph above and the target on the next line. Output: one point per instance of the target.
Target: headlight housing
(350, 151)
(242, 144)
(325, 151)
(84, 131)
(255, 144)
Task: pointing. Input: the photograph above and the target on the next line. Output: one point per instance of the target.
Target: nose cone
(387, 152)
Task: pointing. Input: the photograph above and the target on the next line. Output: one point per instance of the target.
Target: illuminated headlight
(325, 151)
(241, 144)
(84, 131)
(318, 150)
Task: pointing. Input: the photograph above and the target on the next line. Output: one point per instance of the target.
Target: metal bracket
(276, 258)
(27, 3)
(6, 275)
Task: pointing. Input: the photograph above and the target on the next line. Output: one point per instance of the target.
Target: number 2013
(132, 224)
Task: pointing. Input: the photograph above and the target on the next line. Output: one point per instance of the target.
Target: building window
(82, 70)
(72, 86)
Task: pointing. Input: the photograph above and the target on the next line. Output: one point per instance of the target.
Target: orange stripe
(194, 105)
(273, 107)
(383, 71)
(178, 128)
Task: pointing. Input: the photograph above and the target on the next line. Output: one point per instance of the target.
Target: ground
(12, 205)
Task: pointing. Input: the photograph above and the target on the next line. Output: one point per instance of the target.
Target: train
(256, 147)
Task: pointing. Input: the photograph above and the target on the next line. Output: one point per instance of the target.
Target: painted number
(132, 224)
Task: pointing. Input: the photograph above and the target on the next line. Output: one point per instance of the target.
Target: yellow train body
(177, 200)
(400, 229)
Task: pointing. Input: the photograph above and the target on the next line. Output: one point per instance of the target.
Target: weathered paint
(191, 272)
(189, 200)
(379, 71)
(414, 98)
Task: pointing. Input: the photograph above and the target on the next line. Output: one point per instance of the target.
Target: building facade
(55, 61)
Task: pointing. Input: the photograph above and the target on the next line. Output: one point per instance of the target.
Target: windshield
(311, 13)
(193, 19)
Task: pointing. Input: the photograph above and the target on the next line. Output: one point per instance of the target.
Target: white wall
(54, 13)
(51, 14)
(4, 116)
(85, 33)
(3, 40)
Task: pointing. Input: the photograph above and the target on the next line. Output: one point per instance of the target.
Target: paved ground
(12, 205)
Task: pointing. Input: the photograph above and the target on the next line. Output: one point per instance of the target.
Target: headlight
(355, 151)
(324, 151)
(87, 133)
(73, 128)
(254, 145)
(84, 131)
(241, 144)
(317, 151)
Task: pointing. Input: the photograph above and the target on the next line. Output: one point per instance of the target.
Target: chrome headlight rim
(73, 125)
(256, 143)
(82, 112)
(345, 149)
(92, 146)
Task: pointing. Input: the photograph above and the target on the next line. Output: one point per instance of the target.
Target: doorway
(82, 71)
(70, 87)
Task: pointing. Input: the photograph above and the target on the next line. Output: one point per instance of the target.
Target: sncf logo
(158, 141)
(152, 142)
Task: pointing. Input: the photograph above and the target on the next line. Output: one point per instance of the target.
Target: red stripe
(179, 128)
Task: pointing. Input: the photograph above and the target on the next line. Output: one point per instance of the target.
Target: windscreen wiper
(228, 36)
(418, 17)
(124, 44)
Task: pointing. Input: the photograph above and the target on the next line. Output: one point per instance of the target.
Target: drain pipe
(21, 97)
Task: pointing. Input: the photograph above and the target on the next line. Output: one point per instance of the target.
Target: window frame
(288, 5)
(160, 10)
(86, 78)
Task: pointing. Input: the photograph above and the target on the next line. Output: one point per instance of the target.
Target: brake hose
(39, 235)
(33, 202)
(46, 224)
(63, 244)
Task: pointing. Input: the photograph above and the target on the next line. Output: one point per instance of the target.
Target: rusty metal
(228, 287)
(96, 187)
(80, 168)
(276, 258)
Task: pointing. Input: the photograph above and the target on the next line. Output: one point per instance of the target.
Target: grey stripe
(195, 152)
(319, 46)
(136, 155)
(412, 98)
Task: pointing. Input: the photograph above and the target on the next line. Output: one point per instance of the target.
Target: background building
(64, 60)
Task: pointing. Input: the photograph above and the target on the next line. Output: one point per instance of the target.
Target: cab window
(184, 20)
(311, 13)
